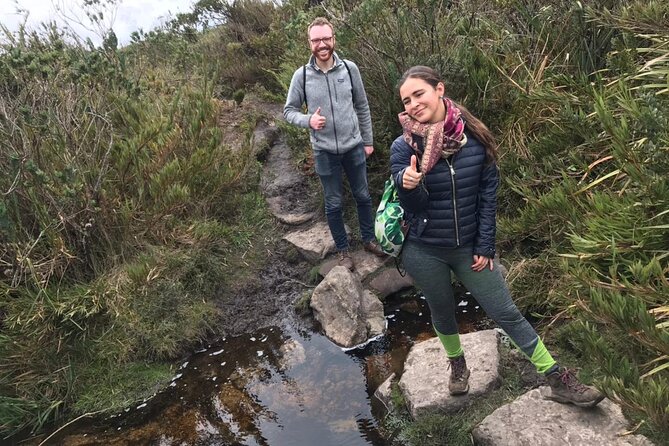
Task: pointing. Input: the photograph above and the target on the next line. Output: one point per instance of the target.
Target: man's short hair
(319, 21)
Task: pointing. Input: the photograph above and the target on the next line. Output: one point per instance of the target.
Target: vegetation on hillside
(578, 94)
(120, 216)
(118, 204)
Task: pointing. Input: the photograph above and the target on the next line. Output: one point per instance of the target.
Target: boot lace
(458, 367)
(568, 378)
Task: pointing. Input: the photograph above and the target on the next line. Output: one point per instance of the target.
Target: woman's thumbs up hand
(411, 176)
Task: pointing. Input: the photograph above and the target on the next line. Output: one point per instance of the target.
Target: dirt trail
(265, 298)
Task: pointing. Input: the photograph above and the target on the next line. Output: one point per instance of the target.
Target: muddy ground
(266, 296)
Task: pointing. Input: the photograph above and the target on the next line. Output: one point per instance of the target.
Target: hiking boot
(459, 382)
(373, 247)
(566, 388)
(345, 260)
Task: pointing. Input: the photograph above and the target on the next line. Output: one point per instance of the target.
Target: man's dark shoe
(345, 260)
(373, 247)
(459, 381)
(566, 388)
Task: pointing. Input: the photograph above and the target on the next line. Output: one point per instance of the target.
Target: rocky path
(529, 420)
(345, 303)
(348, 306)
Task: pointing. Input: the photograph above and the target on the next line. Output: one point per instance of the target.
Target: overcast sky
(130, 15)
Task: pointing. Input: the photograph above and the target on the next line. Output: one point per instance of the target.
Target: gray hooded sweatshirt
(343, 105)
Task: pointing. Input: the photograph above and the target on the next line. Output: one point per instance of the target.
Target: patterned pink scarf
(442, 139)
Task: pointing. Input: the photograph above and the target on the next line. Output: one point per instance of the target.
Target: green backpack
(389, 225)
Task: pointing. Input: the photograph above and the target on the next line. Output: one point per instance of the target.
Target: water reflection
(280, 386)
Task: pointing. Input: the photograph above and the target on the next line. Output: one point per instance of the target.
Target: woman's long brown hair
(474, 125)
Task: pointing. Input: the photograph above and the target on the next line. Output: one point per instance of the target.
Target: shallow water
(283, 385)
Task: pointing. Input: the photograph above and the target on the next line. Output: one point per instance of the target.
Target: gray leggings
(431, 268)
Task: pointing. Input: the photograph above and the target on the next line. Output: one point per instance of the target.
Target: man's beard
(327, 56)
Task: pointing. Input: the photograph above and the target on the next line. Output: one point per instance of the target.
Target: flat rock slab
(424, 382)
(285, 188)
(279, 206)
(314, 243)
(264, 136)
(531, 420)
(364, 262)
(390, 281)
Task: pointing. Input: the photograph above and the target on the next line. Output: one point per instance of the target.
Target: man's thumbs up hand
(317, 121)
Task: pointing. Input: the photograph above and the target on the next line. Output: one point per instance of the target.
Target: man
(340, 125)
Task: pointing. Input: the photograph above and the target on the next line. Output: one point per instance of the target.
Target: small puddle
(284, 385)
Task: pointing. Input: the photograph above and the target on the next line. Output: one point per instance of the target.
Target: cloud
(131, 15)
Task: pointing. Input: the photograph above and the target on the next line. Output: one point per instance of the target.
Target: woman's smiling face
(423, 101)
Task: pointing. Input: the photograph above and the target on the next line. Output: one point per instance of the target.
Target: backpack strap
(304, 85)
(350, 78)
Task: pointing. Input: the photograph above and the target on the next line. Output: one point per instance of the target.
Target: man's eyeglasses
(325, 40)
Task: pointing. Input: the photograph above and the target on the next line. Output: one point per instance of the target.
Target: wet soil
(268, 296)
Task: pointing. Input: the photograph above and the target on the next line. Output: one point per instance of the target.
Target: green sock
(541, 359)
(538, 355)
(451, 344)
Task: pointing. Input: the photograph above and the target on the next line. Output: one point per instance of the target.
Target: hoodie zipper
(334, 124)
(455, 204)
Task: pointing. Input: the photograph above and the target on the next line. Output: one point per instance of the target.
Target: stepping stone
(424, 382)
(287, 191)
(314, 243)
(533, 420)
(390, 281)
(278, 206)
(365, 264)
(349, 314)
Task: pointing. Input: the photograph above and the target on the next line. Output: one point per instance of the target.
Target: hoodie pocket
(313, 137)
(351, 131)
(354, 126)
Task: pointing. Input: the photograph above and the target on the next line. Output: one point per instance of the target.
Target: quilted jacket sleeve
(484, 244)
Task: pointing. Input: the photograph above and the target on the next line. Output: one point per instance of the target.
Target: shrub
(238, 96)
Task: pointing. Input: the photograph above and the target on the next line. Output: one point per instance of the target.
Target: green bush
(105, 257)
(238, 96)
(577, 94)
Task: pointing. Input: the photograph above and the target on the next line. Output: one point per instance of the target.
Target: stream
(283, 385)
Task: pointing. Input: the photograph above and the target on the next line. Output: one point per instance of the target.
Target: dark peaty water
(281, 386)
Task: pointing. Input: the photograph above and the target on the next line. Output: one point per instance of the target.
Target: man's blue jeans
(329, 169)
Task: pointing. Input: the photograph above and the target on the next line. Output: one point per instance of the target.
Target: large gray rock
(534, 421)
(348, 314)
(390, 281)
(364, 262)
(285, 188)
(264, 136)
(314, 243)
(424, 382)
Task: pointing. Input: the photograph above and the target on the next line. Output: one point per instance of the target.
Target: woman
(444, 168)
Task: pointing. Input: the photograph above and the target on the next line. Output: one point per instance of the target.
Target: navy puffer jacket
(457, 204)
